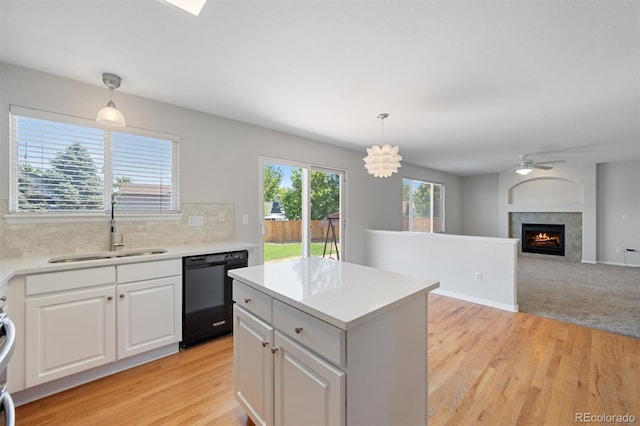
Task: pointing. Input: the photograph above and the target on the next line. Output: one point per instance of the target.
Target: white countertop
(342, 294)
(10, 267)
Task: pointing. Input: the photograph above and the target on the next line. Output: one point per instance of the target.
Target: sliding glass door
(301, 210)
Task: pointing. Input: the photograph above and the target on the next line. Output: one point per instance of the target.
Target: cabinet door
(308, 390)
(253, 366)
(68, 333)
(149, 315)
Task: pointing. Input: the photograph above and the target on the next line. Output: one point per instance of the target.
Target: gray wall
(617, 194)
(480, 205)
(618, 211)
(219, 157)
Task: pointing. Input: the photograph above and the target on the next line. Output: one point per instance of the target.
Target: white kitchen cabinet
(280, 382)
(252, 343)
(349, 344)
(68, 333)
(149, 315)
(277, 380)
(79, 319)
(308, 390)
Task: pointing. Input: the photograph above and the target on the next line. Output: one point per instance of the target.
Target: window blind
(143, 172)
(58, 165)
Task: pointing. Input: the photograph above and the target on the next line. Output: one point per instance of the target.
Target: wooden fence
(290, 231)
(423, 224)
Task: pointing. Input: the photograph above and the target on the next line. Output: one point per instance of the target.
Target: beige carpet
(598, 296)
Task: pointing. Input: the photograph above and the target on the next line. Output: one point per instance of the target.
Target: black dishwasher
(207, 304)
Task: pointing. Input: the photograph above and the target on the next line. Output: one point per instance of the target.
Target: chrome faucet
(114, 244)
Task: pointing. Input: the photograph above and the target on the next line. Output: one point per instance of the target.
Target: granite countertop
(340, 293)
(10, 267)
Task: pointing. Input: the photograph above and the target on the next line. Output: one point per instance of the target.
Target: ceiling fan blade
(540, 166)
(551, 162)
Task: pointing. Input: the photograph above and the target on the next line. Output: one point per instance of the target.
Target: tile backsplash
(57, 238)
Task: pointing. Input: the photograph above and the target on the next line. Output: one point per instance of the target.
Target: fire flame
(543, 236)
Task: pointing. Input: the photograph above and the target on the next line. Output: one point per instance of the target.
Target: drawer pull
(264, 343)
(274, 350)
(122, 296)
(247, 300)
(298, 329)
(3, 298)
(109, 298)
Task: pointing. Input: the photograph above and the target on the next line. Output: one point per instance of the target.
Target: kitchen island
(318, 341)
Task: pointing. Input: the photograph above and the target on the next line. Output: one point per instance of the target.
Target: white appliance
(7, 342)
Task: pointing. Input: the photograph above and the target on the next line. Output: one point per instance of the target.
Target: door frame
(307, 168)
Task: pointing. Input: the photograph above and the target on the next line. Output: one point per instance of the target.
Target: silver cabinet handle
(298, 329)
(264, 343)
(3, 298)
(247, 300)
(274, 350)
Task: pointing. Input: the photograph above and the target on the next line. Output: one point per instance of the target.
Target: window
(422, 206)
(62, 164)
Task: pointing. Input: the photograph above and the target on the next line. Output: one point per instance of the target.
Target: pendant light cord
(382, 116)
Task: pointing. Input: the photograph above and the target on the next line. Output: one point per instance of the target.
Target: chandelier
(382, 162)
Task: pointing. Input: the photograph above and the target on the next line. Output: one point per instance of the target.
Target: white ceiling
(469, 85)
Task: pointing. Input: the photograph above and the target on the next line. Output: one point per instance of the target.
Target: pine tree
(79, 186)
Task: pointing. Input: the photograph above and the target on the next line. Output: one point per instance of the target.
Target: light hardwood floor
(485, 366)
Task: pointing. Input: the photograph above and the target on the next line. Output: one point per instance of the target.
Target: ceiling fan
(525, 165)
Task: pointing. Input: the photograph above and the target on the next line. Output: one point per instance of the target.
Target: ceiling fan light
(524, 171)
(111, 116)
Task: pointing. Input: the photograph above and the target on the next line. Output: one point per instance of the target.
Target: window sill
(34, 218)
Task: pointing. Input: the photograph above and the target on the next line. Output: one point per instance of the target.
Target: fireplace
(543, 239)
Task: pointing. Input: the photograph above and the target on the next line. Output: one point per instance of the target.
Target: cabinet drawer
(252, 300)
(149, 270)
(317, 335)
(69, 280)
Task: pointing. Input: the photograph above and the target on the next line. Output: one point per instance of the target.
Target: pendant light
(382, 162)
(109, 115)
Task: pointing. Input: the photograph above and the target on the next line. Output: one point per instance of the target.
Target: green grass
(274, 252)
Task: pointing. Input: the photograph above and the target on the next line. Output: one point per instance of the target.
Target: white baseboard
(478, 300)
(629, 265)
(590, 262)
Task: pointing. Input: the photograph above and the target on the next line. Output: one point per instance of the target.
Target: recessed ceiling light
(192, 6)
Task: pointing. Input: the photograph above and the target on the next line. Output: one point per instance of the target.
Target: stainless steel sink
(105, 255)
(80, 257)
(141, 252)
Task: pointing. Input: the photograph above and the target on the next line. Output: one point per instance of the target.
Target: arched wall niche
(546, 190)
